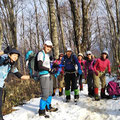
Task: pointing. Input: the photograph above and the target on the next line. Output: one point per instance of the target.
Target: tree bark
(61, 26)
(37, 26)
(1, 34)
(53, 27)
(76, 24)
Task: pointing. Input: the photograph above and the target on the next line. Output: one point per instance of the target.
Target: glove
(57, 74)
(96, 73)
(51, 71)
(109, 74)
(79, 72)
(61, 65)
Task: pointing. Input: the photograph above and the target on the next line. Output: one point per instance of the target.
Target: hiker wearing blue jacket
(7, 62)
(46, 82)
(69, 61)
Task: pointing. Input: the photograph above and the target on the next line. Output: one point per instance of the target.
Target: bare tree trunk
(115, 42)
(99, 35)
(76, 24)
(12, 22)
(53, 27)
(1, 34)
(61, 26)
(37, 26)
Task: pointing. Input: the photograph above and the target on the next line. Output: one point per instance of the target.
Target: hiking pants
(58, 82)
(80, 80)
(71, 77)
(90, 83)
(90, 80)
(97, 79)
(46, 84)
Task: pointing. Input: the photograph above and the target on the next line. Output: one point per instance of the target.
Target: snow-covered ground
(86, 109)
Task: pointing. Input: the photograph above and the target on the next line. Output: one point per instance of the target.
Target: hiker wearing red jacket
(99, 73)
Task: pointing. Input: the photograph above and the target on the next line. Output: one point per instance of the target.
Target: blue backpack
(31, 57)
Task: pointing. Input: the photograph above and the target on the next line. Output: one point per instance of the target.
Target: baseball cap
(89, 52)
(80, 54)
(69, 49)
(105, 51)
(48, 43)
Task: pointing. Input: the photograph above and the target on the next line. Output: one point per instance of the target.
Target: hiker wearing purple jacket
(89, 73)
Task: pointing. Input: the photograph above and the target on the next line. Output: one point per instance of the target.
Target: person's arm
(95, 67)
(40, 60)
(85, 70)
(41, 67)
(109, 69)
(62, 61)
(19, 75)
(77, 62)
(1, 53)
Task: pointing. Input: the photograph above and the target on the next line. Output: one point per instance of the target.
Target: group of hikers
(62, 72)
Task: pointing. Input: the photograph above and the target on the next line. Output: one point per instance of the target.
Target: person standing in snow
(7, 65)
(46, 82)
(82, 62)
(99, 69)
(89, 73)
(58, 77)
(69, 61)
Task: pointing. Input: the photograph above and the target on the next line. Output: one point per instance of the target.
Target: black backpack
(71, 59)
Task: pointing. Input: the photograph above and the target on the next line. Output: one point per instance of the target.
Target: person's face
(47, 48)
(89, 56)
(61, 57)
(79, 57)
(13, 57)
(69, 53)
(104, 55)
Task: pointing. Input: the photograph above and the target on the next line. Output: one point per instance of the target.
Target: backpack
(31, 57)
(71, 59)
(4, 59)
(113, 88)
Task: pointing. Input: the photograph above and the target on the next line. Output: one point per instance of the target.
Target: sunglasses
(88, 54)
(104, 53)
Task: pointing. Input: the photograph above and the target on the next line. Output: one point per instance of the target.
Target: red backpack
(113, 88)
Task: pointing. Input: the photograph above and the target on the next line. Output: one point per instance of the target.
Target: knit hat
(14, 51)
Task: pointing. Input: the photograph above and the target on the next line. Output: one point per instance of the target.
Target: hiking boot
(60, 91)
(54, 90)
(68, 98)
(97, 98)
(42, 113)
(76, 96)
(81, 89)
(105, 96)
(52, 109)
